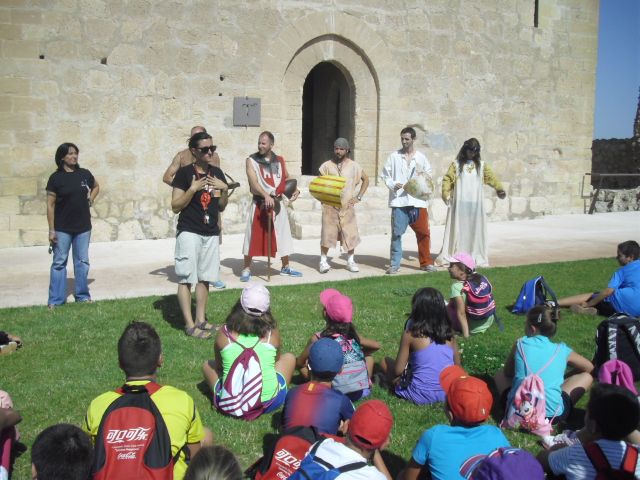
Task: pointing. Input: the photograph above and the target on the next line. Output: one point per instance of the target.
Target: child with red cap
(471, 304)
(368, 432)
(355, 377)
(443, 449)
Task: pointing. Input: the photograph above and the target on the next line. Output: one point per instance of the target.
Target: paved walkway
(145, 267)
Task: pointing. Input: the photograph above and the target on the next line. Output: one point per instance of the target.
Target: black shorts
(568, 406)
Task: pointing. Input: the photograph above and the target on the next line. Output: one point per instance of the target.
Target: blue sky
(618, 71)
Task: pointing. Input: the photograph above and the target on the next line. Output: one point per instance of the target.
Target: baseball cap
(255, 299)
(339, 307)
(502, 464)
(370, 425)
(326, 355)
(468, 397)
(341, 143)
(463, 258)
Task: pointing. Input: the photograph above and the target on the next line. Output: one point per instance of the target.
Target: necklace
(469, 167)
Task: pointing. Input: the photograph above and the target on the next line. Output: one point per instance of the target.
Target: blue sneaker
(290, 272)
(246, 275)
(219, 285)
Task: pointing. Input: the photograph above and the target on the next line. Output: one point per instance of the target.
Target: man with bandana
(267, 175)
(340, 223)
(200, 192)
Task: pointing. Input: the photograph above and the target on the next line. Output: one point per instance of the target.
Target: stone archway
(328, 112)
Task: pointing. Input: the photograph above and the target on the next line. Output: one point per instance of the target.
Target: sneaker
(566, 438)
(290, 272)
(324, 266)
(219, 285)
(9, 348)
(352, 266)
(429, 268)
(583, 310)
(392, 270)
(246, 275)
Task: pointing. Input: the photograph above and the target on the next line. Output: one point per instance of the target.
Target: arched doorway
(328, 112)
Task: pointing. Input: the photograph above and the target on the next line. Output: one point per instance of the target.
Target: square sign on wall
(246, 112)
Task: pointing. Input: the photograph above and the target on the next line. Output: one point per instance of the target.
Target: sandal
(196, 332)
(206, 326)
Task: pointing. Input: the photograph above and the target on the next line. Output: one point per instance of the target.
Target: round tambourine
(328, 189)
(420, 186)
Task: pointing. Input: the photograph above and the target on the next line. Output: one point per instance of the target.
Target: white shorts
(197, 258)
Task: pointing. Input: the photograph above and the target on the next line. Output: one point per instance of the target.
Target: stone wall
(616, 155)
(125, 81)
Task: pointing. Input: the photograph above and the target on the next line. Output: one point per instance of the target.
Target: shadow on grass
(168, 306)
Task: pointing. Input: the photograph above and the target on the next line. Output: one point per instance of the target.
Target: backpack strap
(231, 338)
(630, 459)
(349, 467)
(548, 289)
(526, 365)
(596, 456)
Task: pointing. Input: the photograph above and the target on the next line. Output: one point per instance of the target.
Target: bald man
(185, 157)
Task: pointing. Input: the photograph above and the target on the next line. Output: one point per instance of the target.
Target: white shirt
(338, 455)
(573, 463)
(398, 170)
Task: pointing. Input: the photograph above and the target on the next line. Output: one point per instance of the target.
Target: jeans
(58, 279)
(399, 223)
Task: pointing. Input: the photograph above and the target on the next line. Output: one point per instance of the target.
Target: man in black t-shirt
(200, 192)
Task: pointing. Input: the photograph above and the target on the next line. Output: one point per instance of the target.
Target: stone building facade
(126, 79)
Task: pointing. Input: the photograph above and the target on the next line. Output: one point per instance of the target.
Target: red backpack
(480, 302)
(133, 441)
(603, 468)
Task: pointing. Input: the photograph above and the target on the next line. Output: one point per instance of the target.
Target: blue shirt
(445, 448)
(538, 350)
(626, 285)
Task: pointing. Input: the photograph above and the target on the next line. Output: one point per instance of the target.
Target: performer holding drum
(268, 230)
(339, 222)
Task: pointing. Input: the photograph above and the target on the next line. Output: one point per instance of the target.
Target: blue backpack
(534, 292)
(315, 468)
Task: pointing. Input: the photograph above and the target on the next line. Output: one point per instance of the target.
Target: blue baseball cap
(325, 355)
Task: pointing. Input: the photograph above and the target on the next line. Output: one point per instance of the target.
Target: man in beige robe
(340, 223)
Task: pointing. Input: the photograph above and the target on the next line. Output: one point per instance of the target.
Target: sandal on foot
(196, 332)
(206, 326)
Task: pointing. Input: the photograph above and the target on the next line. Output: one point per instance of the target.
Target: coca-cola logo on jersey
(129, 435)
(127, 456)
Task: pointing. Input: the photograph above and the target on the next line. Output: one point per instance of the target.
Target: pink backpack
(528, 408)
(616, 372)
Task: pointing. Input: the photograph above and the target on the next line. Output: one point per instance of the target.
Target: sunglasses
(206, 149)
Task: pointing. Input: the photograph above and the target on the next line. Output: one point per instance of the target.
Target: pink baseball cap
(255, 299)
(339, 307)
(463, 258)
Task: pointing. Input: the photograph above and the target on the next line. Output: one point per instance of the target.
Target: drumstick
(269, 245)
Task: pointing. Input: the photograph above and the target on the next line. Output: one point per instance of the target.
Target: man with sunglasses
(268, 230)
(185, 157)
(200, 192)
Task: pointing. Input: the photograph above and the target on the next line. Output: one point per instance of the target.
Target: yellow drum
(328, 189)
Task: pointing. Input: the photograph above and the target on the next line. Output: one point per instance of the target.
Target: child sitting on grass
(536, 353)
(427, 346)
(315, 403)
(612, 414)
(443, 449)
(471, 305)
(355, 377)
(250, 325)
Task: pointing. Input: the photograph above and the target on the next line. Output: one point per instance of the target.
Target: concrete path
(145, 267)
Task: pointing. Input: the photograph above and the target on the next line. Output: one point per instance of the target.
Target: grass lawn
(70, 356)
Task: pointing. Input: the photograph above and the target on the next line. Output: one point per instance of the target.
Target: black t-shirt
(191, 218)
(71, 214)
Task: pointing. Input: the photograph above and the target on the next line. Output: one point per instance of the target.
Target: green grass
(70, 354)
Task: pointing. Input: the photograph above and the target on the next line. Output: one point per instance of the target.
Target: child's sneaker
(219, 285)
(290, 272)
(566, 438)
(8, 348)
(246, 275)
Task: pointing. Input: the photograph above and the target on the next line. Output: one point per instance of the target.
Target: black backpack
(618, 337)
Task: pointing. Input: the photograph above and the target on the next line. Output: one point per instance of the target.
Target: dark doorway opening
(328, 111)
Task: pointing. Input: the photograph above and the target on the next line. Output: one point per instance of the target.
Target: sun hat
(326, 355)
(339, 307)
(468, 397)
(341, 143)
(463, 258)
(370, 425)
(255, 299)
